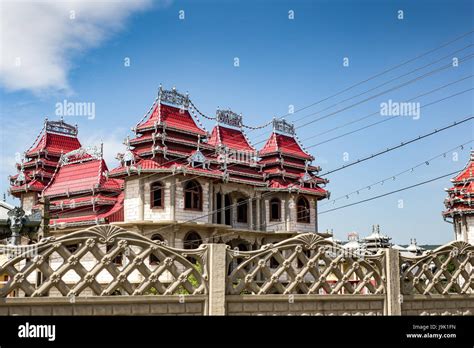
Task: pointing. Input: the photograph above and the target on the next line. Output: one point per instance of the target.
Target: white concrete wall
(288, 215)
(156, 214)
(28, 200)
(131, 199)
(186, 215)
(470, 229)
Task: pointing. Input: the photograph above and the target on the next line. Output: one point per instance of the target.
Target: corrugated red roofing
(90, 217)
(96, 198)
(284, 144)
(459, 195)
(232, 138)
(173, 117)
(34, 185)
(55, 144)
(81, 176)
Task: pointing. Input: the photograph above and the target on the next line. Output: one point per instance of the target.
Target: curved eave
(283, 153)
(323, 194)
(172, 140)
(90, 190)
(141, 129)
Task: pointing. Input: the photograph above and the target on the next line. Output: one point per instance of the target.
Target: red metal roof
(232, 138)
(55, 144)
(174, 117)
(37, 161)
(81, 176)
(34, 185)
(284, 144)
(459, 199)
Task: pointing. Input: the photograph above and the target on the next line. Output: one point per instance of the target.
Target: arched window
(302, 210)
(242, 208)
(192, 240)
(153, 259)
(156, 195)
(193, 196)
(275, 209)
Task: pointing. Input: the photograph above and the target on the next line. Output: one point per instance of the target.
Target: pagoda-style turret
(80, 192)
(286, 165)
(376, 240)
(236, 157)
(40, 161)
(460, 203)
(167, 138)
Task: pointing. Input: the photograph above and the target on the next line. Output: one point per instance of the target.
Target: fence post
(217, 279)
(393, 297)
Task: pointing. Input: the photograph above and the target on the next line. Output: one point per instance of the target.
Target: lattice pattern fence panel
(105, 260)
(306, 264)
(448, 269)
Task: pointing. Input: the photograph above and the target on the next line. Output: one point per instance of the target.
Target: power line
(391, 192)
(454, 124)
(382, 73)
(384, 92)
(392, 177)
(387, 82)
(387, 119)
(378, 111)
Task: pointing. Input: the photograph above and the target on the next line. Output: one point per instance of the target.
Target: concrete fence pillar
(217, 279)
(393, 298)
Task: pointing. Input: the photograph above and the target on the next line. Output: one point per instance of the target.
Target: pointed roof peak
(232, 138)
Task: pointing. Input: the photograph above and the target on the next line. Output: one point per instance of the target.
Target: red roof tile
(232, 138)
(173, 117)
(81, 176)
(460, 195)
(284, 144)
(34, 185)
(55, 144)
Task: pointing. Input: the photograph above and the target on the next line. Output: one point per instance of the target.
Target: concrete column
(210, 216)
(173, 199)
(285, 205)
(259, 222)
(141, 199)
(217, 279)
(315, 215)
(250, 213)
(393, 299)
(222, 199)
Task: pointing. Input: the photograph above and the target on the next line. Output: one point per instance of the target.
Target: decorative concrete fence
(107, 270)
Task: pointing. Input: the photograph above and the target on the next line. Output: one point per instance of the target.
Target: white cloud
(39, 39)
(112, 141)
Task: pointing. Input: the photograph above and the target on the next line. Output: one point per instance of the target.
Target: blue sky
(282, 62)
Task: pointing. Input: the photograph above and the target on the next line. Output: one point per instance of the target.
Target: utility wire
(382, 73)
(391, 192)
(454, 124)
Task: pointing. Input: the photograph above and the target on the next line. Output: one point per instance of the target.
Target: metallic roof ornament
(229, 118)
(83, 153)
(61, 127)
(173, 97)
(281, 126)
